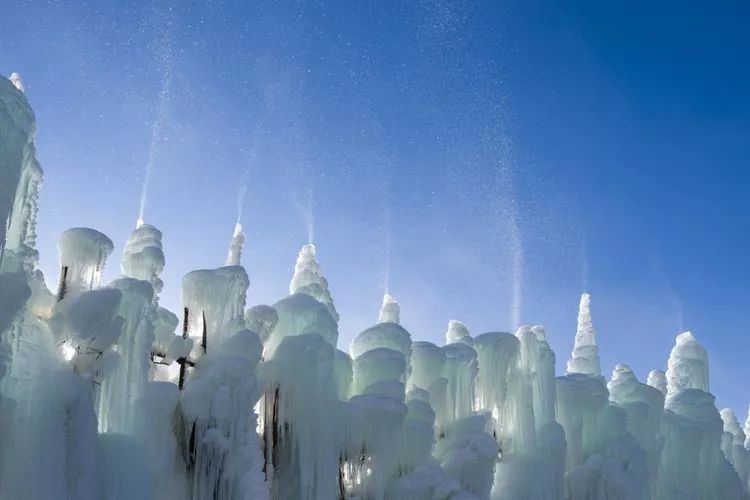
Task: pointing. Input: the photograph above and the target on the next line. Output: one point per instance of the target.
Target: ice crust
(106, 395)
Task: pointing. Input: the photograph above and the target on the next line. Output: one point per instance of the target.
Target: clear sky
(512, 155)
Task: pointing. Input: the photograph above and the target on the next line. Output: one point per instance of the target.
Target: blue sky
(602, 145)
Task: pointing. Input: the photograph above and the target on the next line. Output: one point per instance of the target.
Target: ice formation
(585, 355)
(106, 395)
(235, 246)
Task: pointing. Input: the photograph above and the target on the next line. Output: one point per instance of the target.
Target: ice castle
(105, 395)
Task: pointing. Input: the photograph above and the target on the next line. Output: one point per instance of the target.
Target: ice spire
(235, 246)
(390, 311)
(747, 429)
(687, 367)
(143, 257)
(585, 355)
(309, 279)
(457, 332)
(17, 81)
(658, 380)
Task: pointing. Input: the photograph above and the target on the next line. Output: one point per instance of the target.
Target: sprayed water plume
(164, 56)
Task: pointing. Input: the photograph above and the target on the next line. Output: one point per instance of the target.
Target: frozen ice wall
(130, 358)
(17, 129)
(20, 249)
(733, 445)
(214, 302)
(220, 447)
(460, 374)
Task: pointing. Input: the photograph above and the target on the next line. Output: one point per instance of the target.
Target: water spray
(164, 56)
(388, 229)
(310, 217)
(245, 179)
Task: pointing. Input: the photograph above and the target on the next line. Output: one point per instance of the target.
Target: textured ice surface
(585, 355)
(234, 255)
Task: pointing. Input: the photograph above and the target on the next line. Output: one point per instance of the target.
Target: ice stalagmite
(309, 307)
(234, 255)
(468, 454)
(733, 445)
(389, 311)
(143, 256)
(585, 355)
(104, 397)
(219, 445)
(214, 303)
(381, 368)
(83, 254)
(457, 332)
(17, 129)
(427, 365)
(643, 406)
(261, 319)
(687, 367)
(692, 465)
(299, 422)
(497, 355)
(20, 249)
(658, 380)
(581, 399)
(460, 373)
(533, 441)
(130, 358)
(48, 440)
(309, 279)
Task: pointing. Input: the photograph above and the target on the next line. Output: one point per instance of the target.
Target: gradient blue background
(613, 135)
